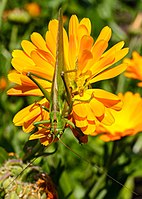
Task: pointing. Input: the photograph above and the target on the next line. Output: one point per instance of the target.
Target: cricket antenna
(98, 168)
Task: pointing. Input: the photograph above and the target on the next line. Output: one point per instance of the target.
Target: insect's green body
(58, 102)
(59, 98)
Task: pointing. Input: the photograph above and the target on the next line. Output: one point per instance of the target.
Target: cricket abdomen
(57, 123)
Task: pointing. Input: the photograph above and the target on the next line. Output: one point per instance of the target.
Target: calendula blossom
(128, 121)
(33, 9)
(89, 62)
(134, 69)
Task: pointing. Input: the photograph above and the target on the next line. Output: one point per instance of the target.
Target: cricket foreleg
(40, 77)
(66, 87)
(68, 97)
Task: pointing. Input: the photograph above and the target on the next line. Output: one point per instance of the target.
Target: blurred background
(74, 178)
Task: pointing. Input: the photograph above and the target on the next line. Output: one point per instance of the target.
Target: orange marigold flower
(3, 83)
(33, 9)
(134, 69)
(127, 121)
(89, 62)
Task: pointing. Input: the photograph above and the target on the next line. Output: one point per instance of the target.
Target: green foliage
(74, 177)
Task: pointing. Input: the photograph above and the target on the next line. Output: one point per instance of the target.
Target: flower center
(78, 86)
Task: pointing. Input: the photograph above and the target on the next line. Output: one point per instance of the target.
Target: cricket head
(57, 123)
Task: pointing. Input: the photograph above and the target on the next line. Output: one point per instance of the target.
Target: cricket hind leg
(68, 90)
(43, 90)
(41, 124)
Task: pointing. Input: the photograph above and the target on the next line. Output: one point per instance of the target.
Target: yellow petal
(97, 107)
(51, 36)
(105, 97)
(81, 123)
(89, 112)
(103, 64)
(46, 70)
(72, 52)
(24, 91)
(66, 49)
(108, 118)
(39, 134)
(115, 48)
(105, 34)
(28, 47)
(28, 126)
(38, 41)
(120, 54)
(73, 25)
(20, 58)
(110, 73)
(19, 117)
(21, 64)
(87, 23)
(82, 30)
(47, 56)
(90, 129)
(86, 96)
(79, 110)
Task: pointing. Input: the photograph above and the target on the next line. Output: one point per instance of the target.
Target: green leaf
(3, 155)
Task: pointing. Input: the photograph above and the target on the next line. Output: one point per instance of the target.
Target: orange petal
(109, 137)
(98, 49)
(83, 59)
(86, 43)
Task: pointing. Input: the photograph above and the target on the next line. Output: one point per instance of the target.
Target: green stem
(121, 84)
(97, 186)
(112, 155)
(13, 38)
(2, 7)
